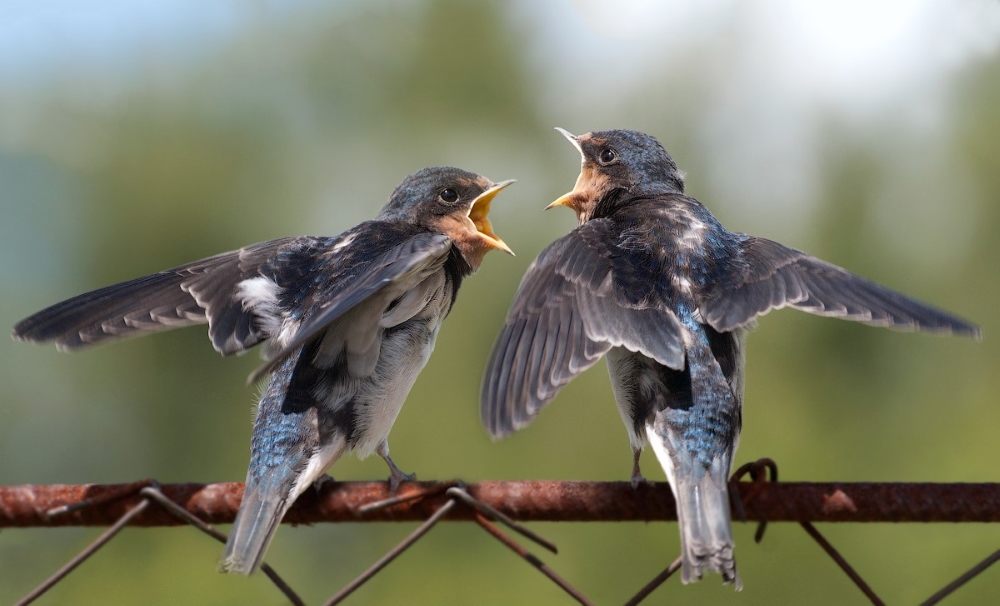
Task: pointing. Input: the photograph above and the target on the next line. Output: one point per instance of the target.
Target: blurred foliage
(304, 122)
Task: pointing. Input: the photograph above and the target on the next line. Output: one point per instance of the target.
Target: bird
(652, 281)
(349, 320)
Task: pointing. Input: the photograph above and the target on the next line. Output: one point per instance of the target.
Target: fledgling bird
(350, 322)
(654, 281)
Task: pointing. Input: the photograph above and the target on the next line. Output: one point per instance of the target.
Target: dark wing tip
(496, 430)
(30, 330)
(912, 315)
(488, 409)
(498, 425)
(959, 327)
(964, 329)
(497, 413)
(775, 276)
(27, 330)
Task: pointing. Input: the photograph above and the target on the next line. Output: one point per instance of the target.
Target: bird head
(618, 159)
(451, 201)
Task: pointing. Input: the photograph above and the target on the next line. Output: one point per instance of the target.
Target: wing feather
(404, 265)
(567, 313)
(770, 276)
(194, 293)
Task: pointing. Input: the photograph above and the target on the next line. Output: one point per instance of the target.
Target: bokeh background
(136, 136)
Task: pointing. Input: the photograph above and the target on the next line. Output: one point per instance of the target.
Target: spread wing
(357, 277)
(767, 275)
(196, 293)
(577, 300)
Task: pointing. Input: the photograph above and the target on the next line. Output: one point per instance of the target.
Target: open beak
(570, 199)
(478, 215)
(572, 139)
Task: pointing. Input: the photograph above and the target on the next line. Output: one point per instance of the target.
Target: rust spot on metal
(837, 502)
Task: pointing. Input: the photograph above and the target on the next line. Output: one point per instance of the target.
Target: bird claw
(397, 477)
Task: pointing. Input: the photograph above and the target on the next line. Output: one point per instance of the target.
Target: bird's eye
(449, 195)
(608, 156)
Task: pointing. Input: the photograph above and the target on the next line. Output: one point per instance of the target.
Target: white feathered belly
(378, 403)
(408, 333)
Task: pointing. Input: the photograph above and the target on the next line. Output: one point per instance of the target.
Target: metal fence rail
(762, 499)
(102, 505)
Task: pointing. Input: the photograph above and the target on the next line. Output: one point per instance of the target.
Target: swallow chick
(652, 280)
(350, 321)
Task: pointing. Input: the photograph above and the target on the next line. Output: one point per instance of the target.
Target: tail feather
(255, 525)
(286, 457)
(703, 512)
(706, 530)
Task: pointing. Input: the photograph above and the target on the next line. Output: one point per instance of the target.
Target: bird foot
(636, 473)
(637, 478)
(397, 477)
(320, 483)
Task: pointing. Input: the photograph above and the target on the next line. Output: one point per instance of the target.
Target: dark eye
(449, 195)
(608, 156)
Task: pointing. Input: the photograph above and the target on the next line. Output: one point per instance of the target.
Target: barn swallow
(350, 321)
(651, 279)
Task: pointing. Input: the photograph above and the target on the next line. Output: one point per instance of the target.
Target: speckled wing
(195, 293)
(766, 275)
(579, 298)
(361, 273)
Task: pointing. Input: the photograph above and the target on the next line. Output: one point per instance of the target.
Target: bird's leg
(636, 474)
(396, 474)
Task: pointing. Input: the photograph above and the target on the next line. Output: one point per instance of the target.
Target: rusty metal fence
(756, 496)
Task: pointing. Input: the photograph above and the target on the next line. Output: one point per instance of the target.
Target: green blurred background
(136, 136)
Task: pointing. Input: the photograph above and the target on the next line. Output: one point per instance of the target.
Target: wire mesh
(762, 499)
